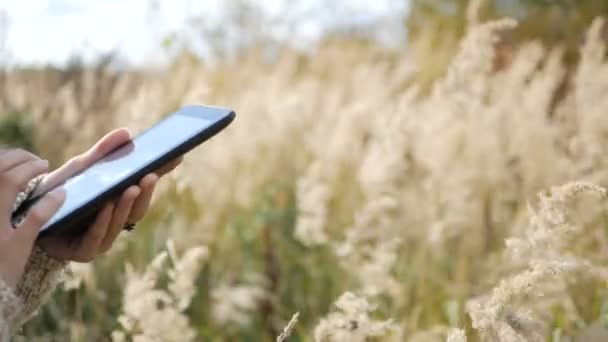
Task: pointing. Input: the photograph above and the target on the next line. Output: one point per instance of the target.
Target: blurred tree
(436, 26)
(232, 26)
(16, 131)
(553, 21)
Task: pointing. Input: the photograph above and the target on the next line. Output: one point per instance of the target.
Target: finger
(119, 217)
(15, 180)
(147, 185)
(14, 157)
(89, 245)
(39, 215)
(59, 176)
(105, 145)
(18, 177)
(169, 166)
(109, 143)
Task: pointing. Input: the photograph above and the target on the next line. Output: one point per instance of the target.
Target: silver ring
(129, 227)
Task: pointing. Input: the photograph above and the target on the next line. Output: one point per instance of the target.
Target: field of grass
(350, 191)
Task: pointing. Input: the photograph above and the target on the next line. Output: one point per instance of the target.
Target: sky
(51, 31)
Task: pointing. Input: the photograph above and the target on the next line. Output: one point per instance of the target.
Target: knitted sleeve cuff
(42, 274)
(10, 307)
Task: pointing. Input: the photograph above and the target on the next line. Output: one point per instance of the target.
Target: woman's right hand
(17, 168)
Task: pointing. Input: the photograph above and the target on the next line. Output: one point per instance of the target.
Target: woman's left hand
(112, 218)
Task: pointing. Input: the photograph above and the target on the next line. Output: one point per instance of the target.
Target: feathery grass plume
(182, 275)
(151, 313)
(456, 335)
(588, 99)
(473, 10)
(288, 328)
(235, 305)
(508, 312)
(312, 197)
(375, 263)
(371, 243)
(447, 128)
(474, 61)
(351, 322)
(78, 275)
(551, 230)
(434, 334)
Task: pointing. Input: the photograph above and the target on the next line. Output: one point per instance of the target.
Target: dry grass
(342, 182)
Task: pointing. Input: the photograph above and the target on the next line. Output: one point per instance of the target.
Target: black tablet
(170, 138)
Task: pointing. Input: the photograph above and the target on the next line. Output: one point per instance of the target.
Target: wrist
(42, 259)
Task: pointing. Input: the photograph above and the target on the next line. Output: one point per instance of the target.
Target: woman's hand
(17, 168)
(130, 208)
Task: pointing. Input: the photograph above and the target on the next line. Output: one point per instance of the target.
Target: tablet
(105, 180)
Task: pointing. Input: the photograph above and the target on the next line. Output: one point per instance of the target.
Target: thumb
(40, 214)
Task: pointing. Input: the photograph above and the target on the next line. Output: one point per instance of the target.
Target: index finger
(77, 164)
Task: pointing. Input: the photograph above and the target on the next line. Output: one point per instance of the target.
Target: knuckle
(19, 152)
(18, 179)
(42, 165)
(5, 179)
(17, 182)
(15, 154)
(97, 237)
(11, 182)
(54, 198)
(77, 162)
(37, 217)
(25, 155)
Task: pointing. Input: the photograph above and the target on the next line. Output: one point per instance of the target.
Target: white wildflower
(184, 273)
(235, 304)
(153, 314)
(77, 275)
(456, 335)
(351, 321)
(312, 200)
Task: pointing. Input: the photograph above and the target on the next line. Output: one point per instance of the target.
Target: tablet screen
(127, 160)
